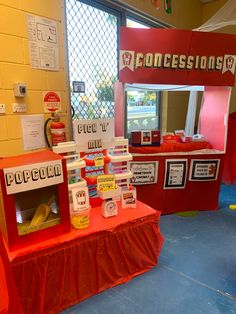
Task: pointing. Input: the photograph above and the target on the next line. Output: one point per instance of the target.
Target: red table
(60, 272)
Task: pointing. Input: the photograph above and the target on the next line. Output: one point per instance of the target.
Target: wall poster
(32, 131)
(144, 172)
(43, 43)
(204, 169)
(175, 174)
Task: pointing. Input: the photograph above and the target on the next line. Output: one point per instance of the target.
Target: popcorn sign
(34, 176)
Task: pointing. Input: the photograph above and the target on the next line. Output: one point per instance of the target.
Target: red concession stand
(181, 176)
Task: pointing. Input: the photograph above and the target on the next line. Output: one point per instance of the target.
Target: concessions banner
(180, 57)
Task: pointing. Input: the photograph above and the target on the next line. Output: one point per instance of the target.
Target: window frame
(158, 111)
(124, 9)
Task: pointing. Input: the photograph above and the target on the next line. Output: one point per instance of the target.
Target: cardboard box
(145, 138)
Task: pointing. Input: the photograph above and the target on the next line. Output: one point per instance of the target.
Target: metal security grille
(92, 53)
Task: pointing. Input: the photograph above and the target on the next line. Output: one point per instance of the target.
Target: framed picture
(78, 87)
(204, 169)
(144, 172)
(175, 174)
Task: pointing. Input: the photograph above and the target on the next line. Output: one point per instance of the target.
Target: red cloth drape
(229, 172)
(4, 299)
(73, 267)
(167, 148)
(9, 300)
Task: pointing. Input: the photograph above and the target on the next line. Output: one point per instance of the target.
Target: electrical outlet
(19, 108)
(2, 108)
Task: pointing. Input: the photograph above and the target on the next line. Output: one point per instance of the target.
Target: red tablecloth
(167, 148)
(58, 273)
(229, 173)
(9, 300)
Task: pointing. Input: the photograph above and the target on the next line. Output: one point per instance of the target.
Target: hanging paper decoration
(168, 6)
(156, 3)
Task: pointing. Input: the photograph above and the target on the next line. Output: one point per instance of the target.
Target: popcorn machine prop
(34, 198)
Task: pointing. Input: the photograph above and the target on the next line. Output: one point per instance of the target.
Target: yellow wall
(177, 109)
(15, 67)
(186, 14)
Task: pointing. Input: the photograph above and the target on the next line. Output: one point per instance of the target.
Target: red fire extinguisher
(57, 130)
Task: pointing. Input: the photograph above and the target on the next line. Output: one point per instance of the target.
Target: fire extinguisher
(57, 130)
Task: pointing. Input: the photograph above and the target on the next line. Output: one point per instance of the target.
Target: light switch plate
(2, 108)
(19, 108)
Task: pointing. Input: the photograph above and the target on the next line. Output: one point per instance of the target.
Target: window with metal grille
(93, 37)
(92, 50)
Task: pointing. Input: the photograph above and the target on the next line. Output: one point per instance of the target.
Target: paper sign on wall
(175, 173)
(144, 172)
(32, 130)
(204, 170)
(43, 43)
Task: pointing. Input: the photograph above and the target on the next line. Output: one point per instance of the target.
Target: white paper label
(93, 134)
